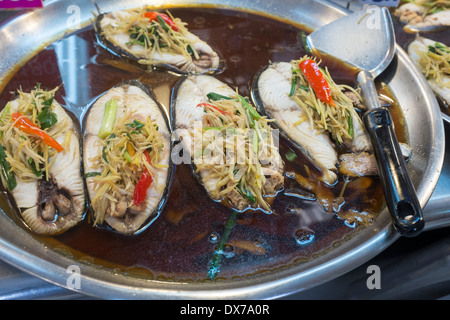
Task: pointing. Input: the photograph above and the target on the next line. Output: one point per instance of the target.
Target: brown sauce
(180, 244)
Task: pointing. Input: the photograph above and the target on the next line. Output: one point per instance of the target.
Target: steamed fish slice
(136, 105)
(418, 18)
(53, 204)
(438, 79)
(360, 141)
(364, 163)
(191, 93)
(191, 55)
(274, 85)
(189, 117)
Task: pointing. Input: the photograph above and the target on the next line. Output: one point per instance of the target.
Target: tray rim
(17, 254)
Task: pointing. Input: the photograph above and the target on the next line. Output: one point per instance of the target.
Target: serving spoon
(365, 41)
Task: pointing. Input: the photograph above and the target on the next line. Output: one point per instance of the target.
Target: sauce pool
(181, 243)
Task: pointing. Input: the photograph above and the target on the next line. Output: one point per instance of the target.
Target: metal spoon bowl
(370, 48)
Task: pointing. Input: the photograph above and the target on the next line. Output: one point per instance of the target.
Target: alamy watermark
(74, 19)
(374, 280)
(73, 280)
(225, 146)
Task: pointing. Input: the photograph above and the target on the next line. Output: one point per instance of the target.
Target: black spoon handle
(400, 194)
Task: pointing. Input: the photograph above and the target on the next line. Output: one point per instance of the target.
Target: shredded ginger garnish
(245, 147)
(121, 161)
(337, 119)
(431, 6)
(154, 36)
(435, 63)
(30, 158)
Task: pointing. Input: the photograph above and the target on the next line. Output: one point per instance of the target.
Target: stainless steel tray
(27, 33)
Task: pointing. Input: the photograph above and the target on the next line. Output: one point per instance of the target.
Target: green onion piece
(192, 52)
(304, 87)
(6, 170)
(255, 142)
(290, 155)
(37, 173)
(4, 114)
(136, 42)
(212, 128)
(253, 114)
(162, 23)
(293, 85)
(109, 118)
(246, 193)
(214, 267)
(5, 111)
(249, 196)
(136, 124)
(104, 154)
(127, 156)
(350, 124)
(305, 44)
(216, 96)
(92, 174)
(442, 47)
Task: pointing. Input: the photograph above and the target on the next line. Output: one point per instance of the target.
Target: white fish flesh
(135, 105)
(417, 50)
(271, 90)
(273, 86)
(111, 33)
(416, 18)
(54, 202)
(189, 117)
(364, 163)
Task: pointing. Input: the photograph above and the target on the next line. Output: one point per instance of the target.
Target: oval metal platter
(26, 34)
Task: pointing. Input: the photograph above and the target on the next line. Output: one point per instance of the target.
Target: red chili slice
(145, 181)
(153, 16)
(317, 80)
(210, 106)
(27, 126)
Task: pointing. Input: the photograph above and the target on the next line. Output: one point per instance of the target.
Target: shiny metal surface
(370, 49)
(27, 33)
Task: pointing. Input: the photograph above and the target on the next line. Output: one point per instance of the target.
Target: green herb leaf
(46, 117)
(350, 124)
(216, 96)
(48, 102)
(36, 171)
(137, 125)
(8, 176)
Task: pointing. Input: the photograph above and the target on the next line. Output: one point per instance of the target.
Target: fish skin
(66, 172)
(129, 98)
